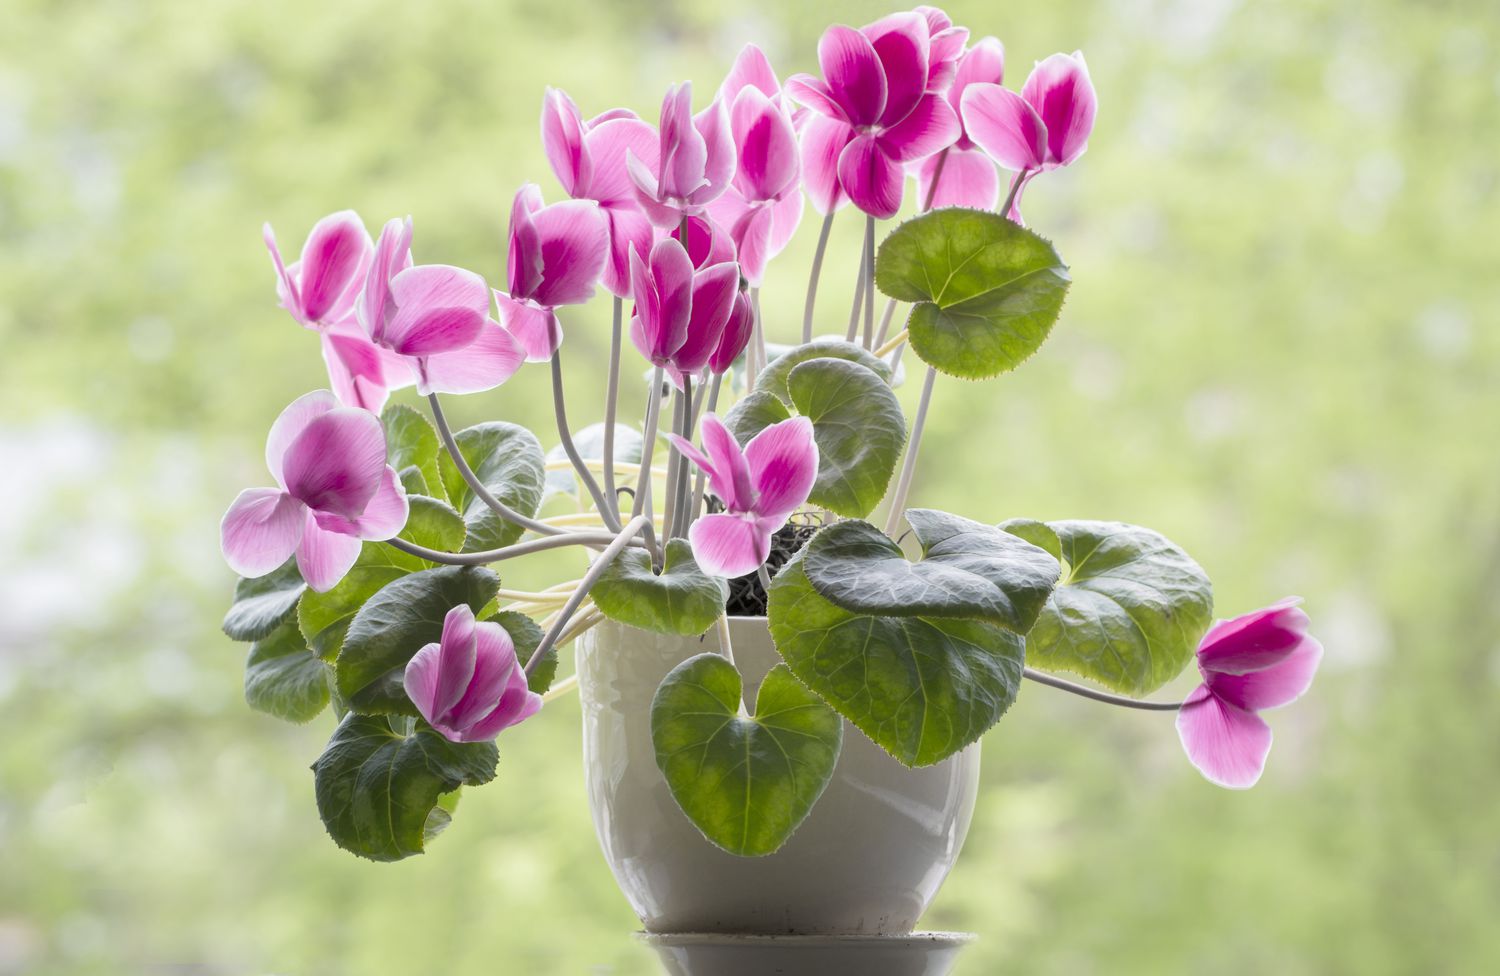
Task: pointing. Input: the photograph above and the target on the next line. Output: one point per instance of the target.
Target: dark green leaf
(859, 428)
(434, 523)
(397, 622)
(1130, 611)
(411, 442)
(774, 379)
(261, 604)
(985, 291)
(324, 617)
(508, 461)
(380, 779)
(746, 782)
(682, 600)
(283, 678)
(526, 635)
(753, 414)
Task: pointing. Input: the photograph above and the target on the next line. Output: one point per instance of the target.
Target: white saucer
(716, 954)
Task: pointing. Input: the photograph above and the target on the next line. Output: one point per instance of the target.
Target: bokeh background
(1282, 349)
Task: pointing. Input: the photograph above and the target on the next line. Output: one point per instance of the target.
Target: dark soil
(747, 597)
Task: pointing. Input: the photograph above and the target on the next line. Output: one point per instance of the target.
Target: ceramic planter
(868, 860)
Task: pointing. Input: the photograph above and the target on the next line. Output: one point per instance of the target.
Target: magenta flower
(469, 686)
(589, 160)
(945, 45)
(760, 486)
(965, 174)
(736, 335)
(873, 113)
(333, 490)
(695, 163)
(556, 255)
(680, 313)
(1044, 127)
(763, 204)
(1264, 659)
(320, 290)
(434, 318)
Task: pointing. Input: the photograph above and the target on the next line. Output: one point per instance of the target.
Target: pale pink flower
(469, 685)
(557, 253)
(696, 159)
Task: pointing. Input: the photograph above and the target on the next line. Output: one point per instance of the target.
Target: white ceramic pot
(867, 860)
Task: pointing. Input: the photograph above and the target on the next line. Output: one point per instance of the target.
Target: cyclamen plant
(367, 569)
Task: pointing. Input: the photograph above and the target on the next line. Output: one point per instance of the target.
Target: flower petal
(523, 259)
(629, 230)
(286, 284)
(672, 276)
(439, 308)
(784, 461)
(684, 154)
(984, 63)
(736, 335)
(815, 94)
(575, 244)
(752, 237)
(290, 423)
(786, 216)
(334, 260)
(968, 178)
(930, 127)
(534, 327)
(735, 485)
(872, 179)
(823, 141)
(648, 193)
(853, 71)
(714, 289)
(751, 69)
(392, 256)
(324, 557)
(437, 675)
(494, 662)
(260, 531)
(335, 464)
(1275, 686)
(728, 545)
(607, 144)
(719, 162)
(1004, 125)
(517, 703)
(767, 146)
(562, 139)
(1063, 96)
(1255, 640)
(901, 42)
(944, 50)
(707, 241)
(1228, 744)
(491, 359)
(383, 518)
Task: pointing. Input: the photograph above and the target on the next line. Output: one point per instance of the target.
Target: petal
(714, 290)
(1254, 640)
(290, 423)
(356, 370)
(333, 262)
(751, 69)
(1062, 94)
(534, 327)
(853, 71)
(629, 230)
(575, 244)
(1278, 685)
(767, 146)
(491, 359)
(720, 161)
(930, 127)
(823, 141)
(783, 460)
(459, 657)
(260, 531)
(728, 545)
(901, 42)
(517, 704)
(734, 486)
(494, 661)
(871, 178)
(672, 276)
(736, 335)
(648, 193)
(984, 63)
(383, 518)
(335, 464)
(523, 259)
(420, 680)
(967, 178)
(786, 216)
(816, 95)
(1004, 125)
(707, 241)
(752, 236)
(324, 556)
(392, 256)
(944, 50)
(1228, 744)
(607, 144)
(439, 308)
(562, 139)
(684, 154)
(286, 285)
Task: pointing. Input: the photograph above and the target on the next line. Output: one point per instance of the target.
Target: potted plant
(785, 671)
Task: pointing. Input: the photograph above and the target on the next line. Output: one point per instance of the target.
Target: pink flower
(696, 159)
(736, 335)
(1044, 127)
(1261, 660)
(763, 204)
(966, 175)
(469, 686)
(760, 486)
(945, 44)
(680, 313)
(320, 290)
(874, 113)
(556, 255)
(334, 489)
(434, 318)
(589, 160)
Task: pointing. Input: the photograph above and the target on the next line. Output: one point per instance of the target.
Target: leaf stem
(683, 474)
(477, 486)
(585, 476)
(669, 505)
(1015, 188)
(601, 563)
(859, 296)
(812, 282)
(611, 399)
(701, 476)
(869, 342)
(1051, 681)
(648, 451)
(908, 467)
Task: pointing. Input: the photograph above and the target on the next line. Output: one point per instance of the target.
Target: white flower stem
(611, 403)
(607, 511)
(812, 282)
(909, 466)
(1042, 678)
(601, 563)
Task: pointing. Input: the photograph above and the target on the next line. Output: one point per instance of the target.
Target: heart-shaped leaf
(590, 444)
(753, 414)
(394, 624)
(985, 291)
(411, 442)
(324, 618)
(968, 570)
(433, 523)
(526, 635)
(922, 687)
(380, 780)
(261, 604)
(746, 782)
(508, 461)
(283, 678)
(682, 600)
(1130, 611)
(774, 379)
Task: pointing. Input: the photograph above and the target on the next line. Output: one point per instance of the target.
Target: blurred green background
(1282, 350)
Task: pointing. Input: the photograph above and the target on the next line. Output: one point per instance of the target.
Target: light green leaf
(753, 414)
(508, 461)
(324, 618)
(682, 600)
(283, 678)
(1130, 610)
(261, 604)
(380, 780)
(394, 624)
(590, 444)
(921, 687)
(413, 481)
(746, 782)
(774, 379)
(434, 523)
(985, 291)
(412, 442)
(859, 429)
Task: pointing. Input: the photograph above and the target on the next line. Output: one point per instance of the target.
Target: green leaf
(283, 678)
(261, 604)
(590, 444)
(379, 781)
(526, 635)
(508, 461)
(968, 570)
(413, 481)
(921, 687)
(682, 600)
(324, 617)
(411, 442)
(774, 379)
(394, 624)
(434, 523)
(1130, 611)
(746, 782)
(859, 429)
(753, 414)
(985, 291)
